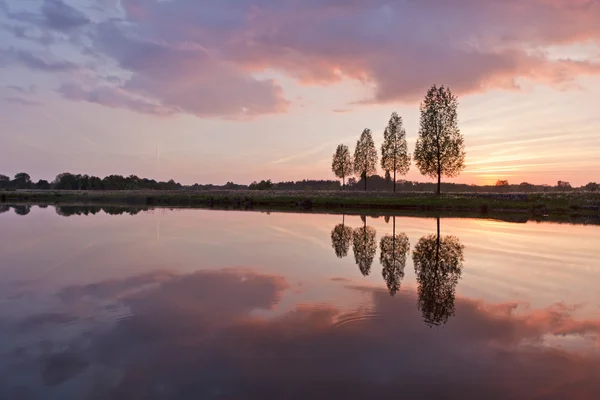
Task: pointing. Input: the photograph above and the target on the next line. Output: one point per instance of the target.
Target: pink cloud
(399, 48)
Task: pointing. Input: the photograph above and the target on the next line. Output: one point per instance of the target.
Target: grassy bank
(535, 204)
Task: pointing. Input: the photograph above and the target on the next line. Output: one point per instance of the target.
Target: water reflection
(22, 209)
(4, 208)
(69, 210)
(393, 250)
(341, 238)
(197, 335)
(438, 262)
(364, 246)
(119, 315)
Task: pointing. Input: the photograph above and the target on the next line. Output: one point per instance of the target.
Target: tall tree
(440, 149)
(365, 156)
(393, 258)
(342, 163)
(364, 247)
(438, 262)
(394, 151)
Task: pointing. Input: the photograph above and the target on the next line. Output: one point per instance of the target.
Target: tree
(66, 181)
(42, 184)
(364, 247)
(592, 186)
(262, 185)
(438, 265)
(341, 237)
(440, 149)
(394, 151)
(22, 180)
(23, 176)
(4, 181)
(563, 185)
(365, 156)
(502, 185)
(393, 258)
(342, 163)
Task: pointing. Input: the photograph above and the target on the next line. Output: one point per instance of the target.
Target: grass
(534, 204)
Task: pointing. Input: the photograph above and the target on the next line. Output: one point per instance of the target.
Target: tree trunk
(394, 180)
(439, 182)
(365, 181)
(344, 182)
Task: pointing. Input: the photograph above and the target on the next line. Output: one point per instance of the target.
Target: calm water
(200, 304)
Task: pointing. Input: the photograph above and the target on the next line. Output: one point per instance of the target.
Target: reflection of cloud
(195, 336)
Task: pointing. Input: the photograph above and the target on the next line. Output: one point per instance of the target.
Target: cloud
(23, 101)
(114, 97)
(398, 47)
(199, 334)
(188, 78)
(205, 57)
(35, 62)
(62, 17)
(23, 90)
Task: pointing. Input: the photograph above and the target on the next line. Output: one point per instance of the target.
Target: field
(534, 204)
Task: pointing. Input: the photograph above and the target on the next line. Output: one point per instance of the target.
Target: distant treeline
(67, 181)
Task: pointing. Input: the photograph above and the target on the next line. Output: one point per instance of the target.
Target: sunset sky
(211, 91)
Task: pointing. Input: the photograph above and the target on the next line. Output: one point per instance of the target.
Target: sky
(220, 90)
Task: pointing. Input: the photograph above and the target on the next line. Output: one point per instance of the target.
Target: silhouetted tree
(502, 183)
(438, 265)
(364, 246)
(394, 151)
(392, 256)
(4, 181)
(365, 156)
(440, 149)
(592, 186)
(563, 185)
(262, 185)
(342, 163)
(4, 208)
(42, 185)
(22, 181)
(341, 237)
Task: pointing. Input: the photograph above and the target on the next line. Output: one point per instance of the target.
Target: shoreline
(533, 205)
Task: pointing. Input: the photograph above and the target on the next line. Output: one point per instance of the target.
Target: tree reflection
(341, 237)
(364, 246)
(22, 210)
(69, 210)
(4, 208)
(438, 264)
(393, 250)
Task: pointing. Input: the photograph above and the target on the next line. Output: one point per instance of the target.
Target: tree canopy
(440, 148)
(365, 156)
(394, 150)
(342, 163)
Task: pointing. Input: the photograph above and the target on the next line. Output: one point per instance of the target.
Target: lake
(204, 304)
